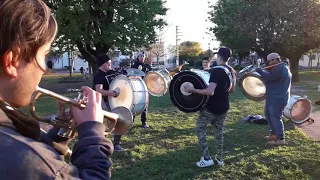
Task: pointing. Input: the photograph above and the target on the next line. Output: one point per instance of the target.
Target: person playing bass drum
(215, 112)
(27, 31)
(141, 65)
(101, 81)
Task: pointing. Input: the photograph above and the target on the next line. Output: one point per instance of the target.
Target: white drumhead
(125, 97)
(253, 86)
(156, 83)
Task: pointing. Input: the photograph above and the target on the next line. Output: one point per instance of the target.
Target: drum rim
(262, 98)
(175, 102)
(112, 84)
(165, 84)
(298, 98)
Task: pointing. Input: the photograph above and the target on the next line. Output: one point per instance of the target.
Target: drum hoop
(158, 73)
(245, 93)
(178, 105)
(112, 84)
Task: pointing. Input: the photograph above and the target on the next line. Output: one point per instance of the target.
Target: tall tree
(96, 26)
(190, 48)
(289, 27)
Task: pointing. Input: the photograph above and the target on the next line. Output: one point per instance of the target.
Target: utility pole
(177, 45)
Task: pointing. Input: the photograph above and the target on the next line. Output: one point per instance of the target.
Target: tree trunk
(294, 66)
(70, 64)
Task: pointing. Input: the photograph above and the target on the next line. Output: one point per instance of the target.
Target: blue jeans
(273, 112)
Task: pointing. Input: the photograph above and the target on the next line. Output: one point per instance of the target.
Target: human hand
(92, 111)
(115, 93)
(189, 89)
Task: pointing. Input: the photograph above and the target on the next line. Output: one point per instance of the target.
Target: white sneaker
(220, 162)
(205, 163)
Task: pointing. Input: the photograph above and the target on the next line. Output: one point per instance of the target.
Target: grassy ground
(169, 149)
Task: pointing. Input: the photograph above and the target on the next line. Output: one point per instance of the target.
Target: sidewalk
(312, 129)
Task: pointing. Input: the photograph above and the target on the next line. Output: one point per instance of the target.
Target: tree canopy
(94, 26)
(288, 27)
(190, 48)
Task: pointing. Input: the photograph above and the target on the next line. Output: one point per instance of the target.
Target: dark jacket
(278, 82)
(25, 158)
(145, 67)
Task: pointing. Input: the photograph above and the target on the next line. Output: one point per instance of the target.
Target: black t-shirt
(104, 78)
(219, 102)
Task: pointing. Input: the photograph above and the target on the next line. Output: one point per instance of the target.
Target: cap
(140, 54)
(272, 56)
(101, 59)
(225, 52)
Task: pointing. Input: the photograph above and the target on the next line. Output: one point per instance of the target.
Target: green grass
(169, 149)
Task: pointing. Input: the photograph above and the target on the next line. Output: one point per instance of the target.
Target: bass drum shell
(192, 102)
(157, 82)
(298, 109)
(253, 86)
(133, 94)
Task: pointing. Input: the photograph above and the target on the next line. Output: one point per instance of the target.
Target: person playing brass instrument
(26, 34)
(278, 84)
(215, 112)
(101, 81)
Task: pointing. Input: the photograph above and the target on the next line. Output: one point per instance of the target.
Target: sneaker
(270, 138)
(145, 125)
(118, 148)
(219, 162)
(277, 142)
(204, 163)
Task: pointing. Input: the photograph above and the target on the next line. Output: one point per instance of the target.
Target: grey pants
(217, 122)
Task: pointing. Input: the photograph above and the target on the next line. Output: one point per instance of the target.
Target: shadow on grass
(176, 162)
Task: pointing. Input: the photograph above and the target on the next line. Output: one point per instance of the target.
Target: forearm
(105, 92)
(205, 92)
(269, 76)
(91, 152)
(233, 88)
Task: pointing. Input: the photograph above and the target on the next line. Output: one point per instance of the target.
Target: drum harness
(227, 71)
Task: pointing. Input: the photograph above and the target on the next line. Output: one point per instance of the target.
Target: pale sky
(190, 16)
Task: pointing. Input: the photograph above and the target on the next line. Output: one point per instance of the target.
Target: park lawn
(169, 149)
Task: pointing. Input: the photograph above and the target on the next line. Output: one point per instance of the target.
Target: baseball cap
(272, 56)
(101, 59)
(225, 52)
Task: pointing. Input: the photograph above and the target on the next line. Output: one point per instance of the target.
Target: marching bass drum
(133, 94)
(298, 109)
(157, 82)
(253, 86)
(184, 101)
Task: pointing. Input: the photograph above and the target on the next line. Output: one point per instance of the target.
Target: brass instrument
(119, 121)
(252, 68)
(176, 70)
